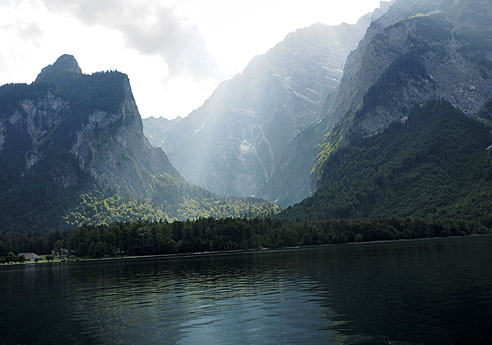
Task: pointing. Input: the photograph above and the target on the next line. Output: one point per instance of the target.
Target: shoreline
(228, 252)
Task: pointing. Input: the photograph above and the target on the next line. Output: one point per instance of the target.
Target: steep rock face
(292, 180)
(75, 114)
(360, 72)
(233, 144)
(435, 53)
(436, 49)
(111, 146)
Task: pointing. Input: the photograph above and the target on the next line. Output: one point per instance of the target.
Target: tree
(82, 249)
(11, 257)
(3, 249)
(99, 250)
(57, 247)
(50, 257)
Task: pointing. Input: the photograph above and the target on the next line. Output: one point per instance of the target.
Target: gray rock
(445, 39)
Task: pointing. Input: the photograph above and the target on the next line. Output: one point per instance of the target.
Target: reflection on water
(435, 291)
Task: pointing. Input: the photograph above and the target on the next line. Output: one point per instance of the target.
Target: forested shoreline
(215, 235)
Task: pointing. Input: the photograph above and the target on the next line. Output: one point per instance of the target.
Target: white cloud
(174, 51)
(150, 27)
(27, 31)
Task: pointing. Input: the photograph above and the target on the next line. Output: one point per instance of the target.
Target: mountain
(418, 52)
(435, 49)
(157, 129)
(72, 151)
(234, 143)
(102, 128)
(293, 179)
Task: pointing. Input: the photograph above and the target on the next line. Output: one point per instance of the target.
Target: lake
(435, 291)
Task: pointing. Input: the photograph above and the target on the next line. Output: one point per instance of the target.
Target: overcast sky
(174, 51)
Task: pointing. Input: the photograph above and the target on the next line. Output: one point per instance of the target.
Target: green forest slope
(438, 164)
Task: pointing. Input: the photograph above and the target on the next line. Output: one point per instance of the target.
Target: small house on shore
(63, 253)
(30, 256)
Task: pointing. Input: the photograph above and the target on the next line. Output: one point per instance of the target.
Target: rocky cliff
(293, 178)
(92, 118)
(418, 51)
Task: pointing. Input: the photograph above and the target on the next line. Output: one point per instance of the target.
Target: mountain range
(409, 57)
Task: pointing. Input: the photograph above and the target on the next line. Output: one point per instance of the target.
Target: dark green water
(421, 292)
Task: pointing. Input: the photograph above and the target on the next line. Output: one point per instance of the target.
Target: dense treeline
(208, 234)
(39, 207)
(173, 200)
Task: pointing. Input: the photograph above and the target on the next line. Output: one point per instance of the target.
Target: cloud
(149, 27)
(26, 31)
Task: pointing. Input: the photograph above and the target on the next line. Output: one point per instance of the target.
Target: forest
(210, 235)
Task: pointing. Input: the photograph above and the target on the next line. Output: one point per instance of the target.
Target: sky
(175, 52)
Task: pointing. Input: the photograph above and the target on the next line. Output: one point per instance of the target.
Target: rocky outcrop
(425, 50)
(67, 113)
(57, 72)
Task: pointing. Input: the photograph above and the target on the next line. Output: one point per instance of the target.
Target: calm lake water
(418, 292)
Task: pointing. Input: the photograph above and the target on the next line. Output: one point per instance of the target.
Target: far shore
(225, 252)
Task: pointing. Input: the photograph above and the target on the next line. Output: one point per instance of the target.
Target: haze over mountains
(236, 141)
(412, 52)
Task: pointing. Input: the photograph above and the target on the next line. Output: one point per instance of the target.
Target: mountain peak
(65, 64)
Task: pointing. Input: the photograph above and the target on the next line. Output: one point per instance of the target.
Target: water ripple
(399, 293)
